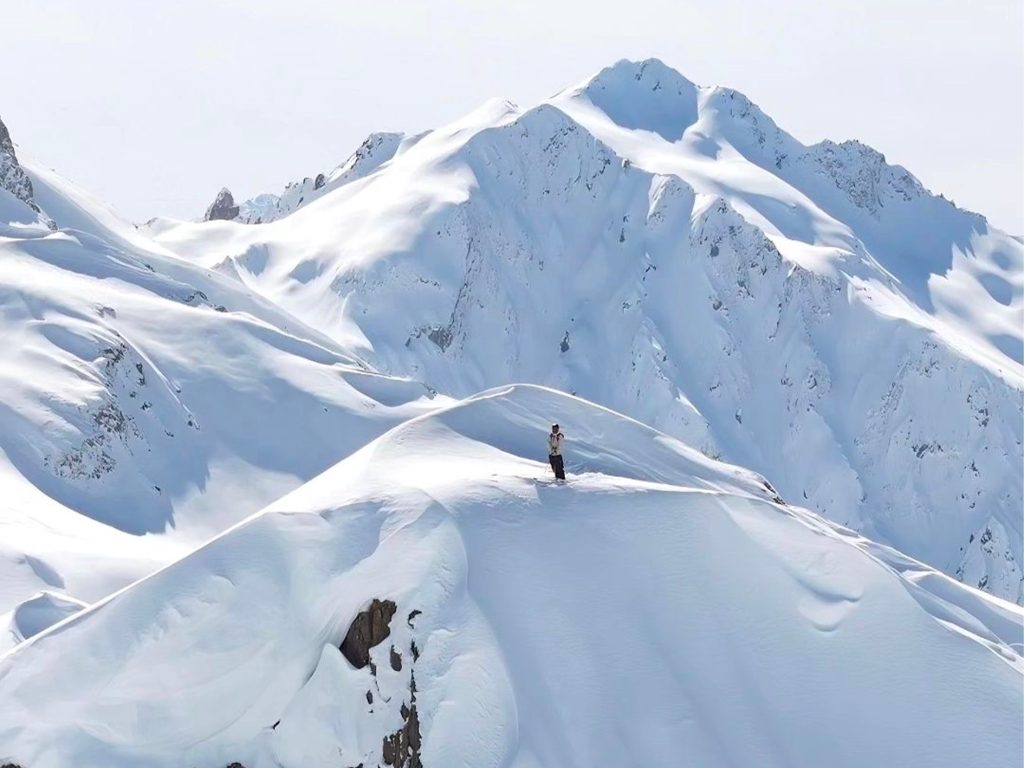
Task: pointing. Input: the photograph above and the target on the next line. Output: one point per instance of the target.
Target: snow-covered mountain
(811, 312)
(140, 394)
(433, 600)
(790, 377)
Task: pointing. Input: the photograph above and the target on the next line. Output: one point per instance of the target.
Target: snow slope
(147, 404)
(664, 249)
(660, 609)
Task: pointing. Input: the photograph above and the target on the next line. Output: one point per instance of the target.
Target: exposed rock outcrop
(402, 748)
(222, 208)
(13, 177)
(370, 627)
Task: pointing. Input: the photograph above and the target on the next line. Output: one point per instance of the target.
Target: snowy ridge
(835, 202)
(143, 395)
(376, 150)
(667, 250)
(497, 590)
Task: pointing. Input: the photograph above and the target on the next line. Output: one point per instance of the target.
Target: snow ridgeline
(666, 250)
(147, 404)
(433, 600)
(376, 150)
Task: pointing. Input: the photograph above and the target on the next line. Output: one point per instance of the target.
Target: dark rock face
(370, 627)
(222, 208)
(12, 176)
(440, 336)
(402, 748)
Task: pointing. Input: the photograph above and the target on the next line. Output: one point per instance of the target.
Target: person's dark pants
(558, 466)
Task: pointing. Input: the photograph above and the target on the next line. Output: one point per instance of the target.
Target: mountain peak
(223, 207)
(650, 71)
(643, 95)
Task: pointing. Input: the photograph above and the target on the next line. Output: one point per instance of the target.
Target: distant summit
(222, 208)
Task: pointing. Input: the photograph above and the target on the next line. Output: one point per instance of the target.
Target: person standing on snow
(555, 439)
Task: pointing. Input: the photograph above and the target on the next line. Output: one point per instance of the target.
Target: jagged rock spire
(222, 208)
(12, 176)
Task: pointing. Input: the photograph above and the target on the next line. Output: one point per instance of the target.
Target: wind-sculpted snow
(660, 608)
(32, 616)
(811, 312)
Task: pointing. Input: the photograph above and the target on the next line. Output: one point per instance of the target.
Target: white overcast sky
(154, 106)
